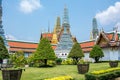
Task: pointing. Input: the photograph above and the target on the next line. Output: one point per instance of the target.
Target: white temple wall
(106, 52)
(62, 53)
(114, 54)
(110, 54)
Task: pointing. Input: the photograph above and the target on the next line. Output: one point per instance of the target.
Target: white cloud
(28, 6)
(110, 15)
(10, 37)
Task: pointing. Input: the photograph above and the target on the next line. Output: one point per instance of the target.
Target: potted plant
(58, 61)
(11, 74)
(82, 66)
(15, 72)
(113, 63)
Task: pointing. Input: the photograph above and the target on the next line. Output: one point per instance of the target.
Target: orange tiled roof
(47, 35)
(87, 46)
(24, 46)
(19, 44)
(87, 49)
(54, 47)
(25, 50)
(110, 36)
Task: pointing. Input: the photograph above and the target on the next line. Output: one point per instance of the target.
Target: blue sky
(26, 19)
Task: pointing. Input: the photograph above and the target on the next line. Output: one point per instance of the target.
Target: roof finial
(102, 29)
(65, 24)
(48, 27)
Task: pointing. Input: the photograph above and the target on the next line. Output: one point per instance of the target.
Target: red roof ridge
(87, 41)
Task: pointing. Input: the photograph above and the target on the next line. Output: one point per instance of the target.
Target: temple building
(61, 36)
(65, 41)
(108, 41)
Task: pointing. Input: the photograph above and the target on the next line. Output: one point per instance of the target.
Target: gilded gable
(102, 42)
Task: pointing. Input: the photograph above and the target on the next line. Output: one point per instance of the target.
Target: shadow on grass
(45, 66)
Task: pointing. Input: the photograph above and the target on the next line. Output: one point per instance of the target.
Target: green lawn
(59, 70)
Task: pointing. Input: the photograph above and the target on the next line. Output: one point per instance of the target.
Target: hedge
(108, 74)
(61, 78)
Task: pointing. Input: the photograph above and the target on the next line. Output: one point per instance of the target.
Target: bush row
(108, 74)
(105, 71)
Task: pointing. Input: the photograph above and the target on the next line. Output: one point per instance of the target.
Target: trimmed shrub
(51, 63)
(68, 61)
(108, 74)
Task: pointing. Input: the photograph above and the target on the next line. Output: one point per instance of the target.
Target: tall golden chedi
(57, 27)
(56, 31)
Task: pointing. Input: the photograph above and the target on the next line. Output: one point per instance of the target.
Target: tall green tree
(76, 52)
(3, 51)
(44, 51)
(96, 53)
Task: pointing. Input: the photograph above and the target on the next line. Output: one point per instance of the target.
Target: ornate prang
(95, 28)
(65, 42)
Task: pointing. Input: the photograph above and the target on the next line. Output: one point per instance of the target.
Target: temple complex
(62, 40)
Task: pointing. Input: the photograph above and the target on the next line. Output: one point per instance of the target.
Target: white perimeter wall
(109, 54)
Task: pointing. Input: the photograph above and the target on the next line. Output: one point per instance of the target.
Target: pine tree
(96, 53)
(3, 50)
(76, 52)
(44, 51)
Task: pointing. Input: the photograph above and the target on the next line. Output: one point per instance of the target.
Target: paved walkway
(117, 78)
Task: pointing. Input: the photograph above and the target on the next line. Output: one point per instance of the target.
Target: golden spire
(57, 27)
(91, 36)
(56, 31)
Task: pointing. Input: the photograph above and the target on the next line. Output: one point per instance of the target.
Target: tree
(18, 59)
(44, 51)
(3, 51)
(76, 52)
(96, 53)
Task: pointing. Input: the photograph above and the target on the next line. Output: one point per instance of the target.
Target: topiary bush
(68, 61)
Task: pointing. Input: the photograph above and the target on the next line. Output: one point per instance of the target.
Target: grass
(59, 70)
